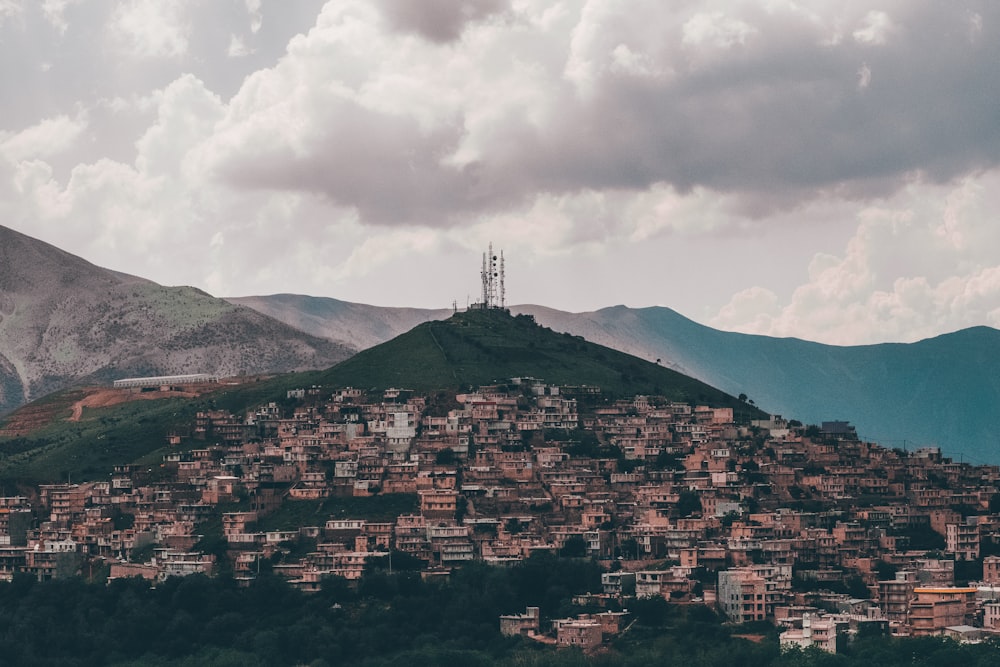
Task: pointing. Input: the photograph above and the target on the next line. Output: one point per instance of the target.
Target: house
(751, 593)
(520, 624)
(583, 634)
(934, 609)
(827, 633)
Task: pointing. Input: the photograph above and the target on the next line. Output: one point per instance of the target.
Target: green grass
(482, 347)
(132, 432)
(89, 448)
(382, 507)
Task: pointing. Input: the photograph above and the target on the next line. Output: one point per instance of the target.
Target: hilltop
(480, 347)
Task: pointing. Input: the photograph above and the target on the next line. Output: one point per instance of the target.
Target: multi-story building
(741, 595)
(894, 596)
(962, 539)
(934, 609)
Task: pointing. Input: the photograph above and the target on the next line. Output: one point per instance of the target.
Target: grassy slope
(477, 347)
(126, 433)
(466, 350)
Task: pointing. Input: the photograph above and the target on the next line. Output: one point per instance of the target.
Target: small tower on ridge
(492, 275)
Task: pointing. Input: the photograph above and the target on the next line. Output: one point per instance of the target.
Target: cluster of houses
(583, 631)
(768, 520)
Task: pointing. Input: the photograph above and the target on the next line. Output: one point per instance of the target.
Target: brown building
(934, 609)
(584, 634)
(512, 625)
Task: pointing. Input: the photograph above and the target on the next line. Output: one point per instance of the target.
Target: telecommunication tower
(494, 292)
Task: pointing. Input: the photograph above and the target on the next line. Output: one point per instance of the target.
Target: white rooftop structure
(165, 380)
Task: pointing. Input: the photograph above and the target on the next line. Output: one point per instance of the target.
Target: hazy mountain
(942, 391)
(63, 320)
(354, 324)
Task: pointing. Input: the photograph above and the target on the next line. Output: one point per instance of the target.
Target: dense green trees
(388, 619)
(198, 620)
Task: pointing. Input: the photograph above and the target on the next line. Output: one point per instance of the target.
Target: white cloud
(864, 76)
(749, 310)
(918, 265)
(43, 140)
(256, 16)
(186, 116)
(238, 47)
(875, 28)
(55, 10)
(717, 30)
(9, 8)
(151, 28)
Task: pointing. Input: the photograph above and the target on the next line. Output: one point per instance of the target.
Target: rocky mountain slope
(64, 320)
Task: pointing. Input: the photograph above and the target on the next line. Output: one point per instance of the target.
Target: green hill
(467, 350)
(39, 442)
(479, 347)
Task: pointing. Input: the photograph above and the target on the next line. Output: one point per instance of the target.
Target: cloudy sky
(825, 169)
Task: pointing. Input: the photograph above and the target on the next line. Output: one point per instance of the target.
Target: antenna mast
(487, 277)
(492, 275)
(503, 290)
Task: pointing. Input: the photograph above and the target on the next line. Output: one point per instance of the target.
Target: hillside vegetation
(480, 347)
(49, 447)
(469, 349)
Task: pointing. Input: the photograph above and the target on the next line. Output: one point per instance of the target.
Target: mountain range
(64, 321)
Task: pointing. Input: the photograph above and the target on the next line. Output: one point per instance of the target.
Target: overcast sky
(825, 170)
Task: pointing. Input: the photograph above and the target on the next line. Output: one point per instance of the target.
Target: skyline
(825, 172)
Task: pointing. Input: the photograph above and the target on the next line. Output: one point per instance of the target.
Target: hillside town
(803, 526)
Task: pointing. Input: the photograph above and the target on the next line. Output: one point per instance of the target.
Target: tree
(445, 457)
(629, 549)
(667, 461)
(995, 503)
(574, 547)
(688, 503)
(651, 612)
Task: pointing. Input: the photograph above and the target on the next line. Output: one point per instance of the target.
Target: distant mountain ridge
(355, 324)
(64, 320)
(942, 391)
